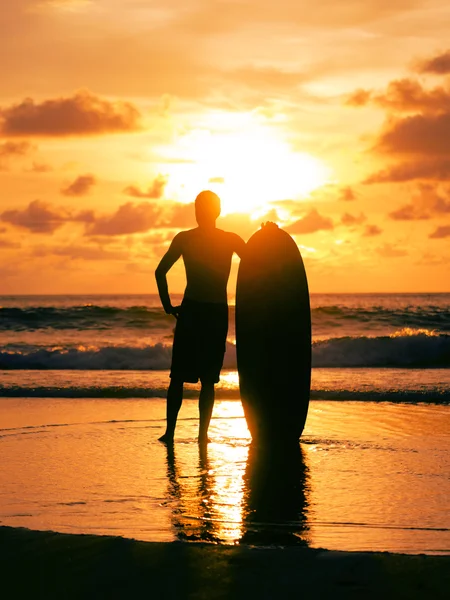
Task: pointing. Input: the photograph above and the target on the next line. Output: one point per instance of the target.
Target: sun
(248, 168)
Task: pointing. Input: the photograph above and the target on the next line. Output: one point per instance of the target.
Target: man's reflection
(261, 500)
(192, 514)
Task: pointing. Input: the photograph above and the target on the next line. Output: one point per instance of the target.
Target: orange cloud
(310, 223)
(347, 194)
(41, 217)
(424, 169)
(349, 220)
(390, 251)
(409, 95)
(440, 232)
(81, 114)
(156, 190)
(428, 202)
(438, 65)
(425, 134)
(404, 95)
(128, 218)
(419, 134)
(359, 97)
(80, 187)
(372, 230)
(40, 168)
(38, 217)
(10, 150)
(9, 244)
(182, 216)
(409, 212)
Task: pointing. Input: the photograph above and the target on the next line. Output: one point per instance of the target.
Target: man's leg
(205, 405)
(174, 400)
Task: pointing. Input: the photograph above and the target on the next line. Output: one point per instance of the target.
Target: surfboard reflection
(261, 499)
(277, 489)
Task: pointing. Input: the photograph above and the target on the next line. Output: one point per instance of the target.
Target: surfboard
(273, 337)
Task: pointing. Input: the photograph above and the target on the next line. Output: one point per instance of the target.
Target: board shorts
(199, 342)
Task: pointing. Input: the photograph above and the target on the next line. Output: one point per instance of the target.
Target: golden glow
(248, 166)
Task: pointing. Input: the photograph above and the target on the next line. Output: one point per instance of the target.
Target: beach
(367, 475)
(48, 565)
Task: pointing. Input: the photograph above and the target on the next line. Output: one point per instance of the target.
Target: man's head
(207, 208)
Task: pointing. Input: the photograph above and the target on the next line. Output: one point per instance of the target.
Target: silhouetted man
(202, 319)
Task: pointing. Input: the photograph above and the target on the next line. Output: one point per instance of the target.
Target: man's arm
(167, 261)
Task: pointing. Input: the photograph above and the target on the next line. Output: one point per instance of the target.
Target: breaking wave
(414, 348)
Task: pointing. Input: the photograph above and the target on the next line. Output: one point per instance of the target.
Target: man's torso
(207, 255)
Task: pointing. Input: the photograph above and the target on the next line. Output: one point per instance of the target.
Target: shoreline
(45, 564)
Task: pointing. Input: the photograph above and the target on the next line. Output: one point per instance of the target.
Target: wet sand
(35, 564)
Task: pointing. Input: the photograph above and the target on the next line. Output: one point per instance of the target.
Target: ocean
(82, 387)
(365, 346)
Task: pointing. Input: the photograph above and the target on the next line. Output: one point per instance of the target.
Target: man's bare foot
(166, 439)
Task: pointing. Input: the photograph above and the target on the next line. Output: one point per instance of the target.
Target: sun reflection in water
(230, 492)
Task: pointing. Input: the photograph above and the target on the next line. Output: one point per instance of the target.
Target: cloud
(127, 219)
(329, 192)
(429, 201)
(8, 244)
(409, 212)
(156, 190)
(359, 97)
(440, 232)
(310, 223)
(82, 114)
(133, 218)
(390, 251)
(438, 65)
(438, 169)
(347, 194)
(38, 217)
(372, 230)
(40, 168)
(80, 187)
(349, 220)
(216, 180)
(10, 150)
(42, 217)
(422, 134)
(404, 95)
(430, 260)
(181, 216)
(409, 95)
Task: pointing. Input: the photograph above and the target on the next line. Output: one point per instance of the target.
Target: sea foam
(404, 348)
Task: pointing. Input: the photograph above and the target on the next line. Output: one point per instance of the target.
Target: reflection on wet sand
(276, 497)
(239, 494)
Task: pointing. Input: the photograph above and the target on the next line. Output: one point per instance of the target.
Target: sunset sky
(330, 118)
